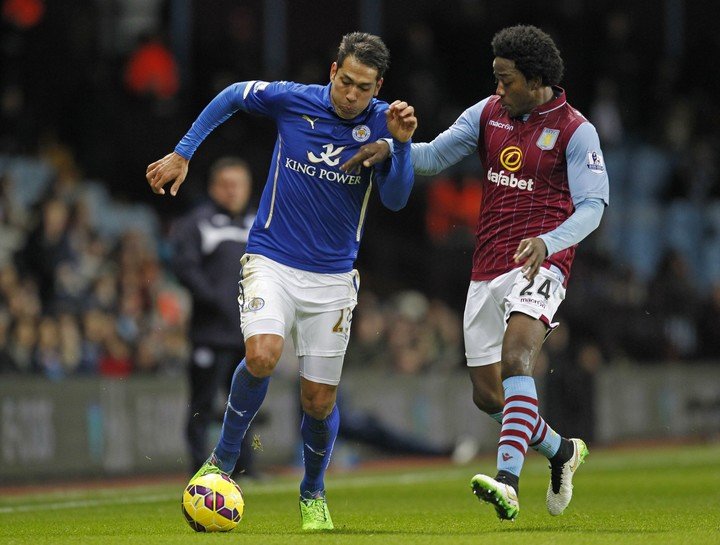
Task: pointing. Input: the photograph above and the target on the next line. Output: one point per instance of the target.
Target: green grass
(653, 496)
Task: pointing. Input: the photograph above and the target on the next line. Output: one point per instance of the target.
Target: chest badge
(361, 133)
(547, 139)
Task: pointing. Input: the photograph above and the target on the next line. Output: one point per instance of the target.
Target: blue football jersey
(311, 214)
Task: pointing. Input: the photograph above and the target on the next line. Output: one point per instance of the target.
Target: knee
(516, 362)
(318, 405)
(261, 361)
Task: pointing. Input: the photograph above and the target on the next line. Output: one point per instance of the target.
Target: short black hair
(226, 162)
(534, 52)
(368, 49)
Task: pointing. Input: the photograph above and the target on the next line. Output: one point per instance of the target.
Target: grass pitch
(653, 496)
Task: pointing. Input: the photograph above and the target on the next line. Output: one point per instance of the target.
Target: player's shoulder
(297, 90)
(281, 89)
(571, 113)
(489, 108)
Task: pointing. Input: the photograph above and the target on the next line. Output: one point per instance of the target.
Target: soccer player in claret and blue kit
(544, 190)
(297, 276)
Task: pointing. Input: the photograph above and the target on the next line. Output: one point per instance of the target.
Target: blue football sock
(520, 418)
(318, 440)
(247, 393)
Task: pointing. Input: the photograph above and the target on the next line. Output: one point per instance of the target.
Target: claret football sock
(520, 418)
(544, 440)
(318, 441)
(247, 393)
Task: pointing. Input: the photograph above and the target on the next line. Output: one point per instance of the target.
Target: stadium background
(92, 323)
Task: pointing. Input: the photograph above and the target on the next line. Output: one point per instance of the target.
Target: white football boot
(560, 489)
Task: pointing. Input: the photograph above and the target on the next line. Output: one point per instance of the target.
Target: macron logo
(500, 178)
(505, 456)
(499, 125)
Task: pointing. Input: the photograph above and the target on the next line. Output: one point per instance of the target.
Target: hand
(368, 155)
(401, 120)
(169, 168)
(531, 252)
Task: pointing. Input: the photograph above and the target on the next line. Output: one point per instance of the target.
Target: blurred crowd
(91, 91)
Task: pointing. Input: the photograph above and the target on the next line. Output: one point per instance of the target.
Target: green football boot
(210, 466)
(314, 514)
(498, 494)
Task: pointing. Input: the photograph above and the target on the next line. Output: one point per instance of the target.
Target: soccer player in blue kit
(297, 276)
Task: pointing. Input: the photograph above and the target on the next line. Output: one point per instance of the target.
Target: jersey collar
(558, 101)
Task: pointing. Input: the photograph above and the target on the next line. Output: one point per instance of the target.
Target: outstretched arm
(429, 158)
(174, 166)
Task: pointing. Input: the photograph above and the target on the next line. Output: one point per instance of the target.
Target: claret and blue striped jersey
(311, 214)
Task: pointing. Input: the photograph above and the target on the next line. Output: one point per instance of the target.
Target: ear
(377, 86)
(333, 70)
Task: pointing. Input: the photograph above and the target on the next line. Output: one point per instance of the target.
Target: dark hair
(368, 49)
(223, 163)
(534, 52)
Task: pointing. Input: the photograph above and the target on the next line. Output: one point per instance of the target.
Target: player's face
(517, 94)
(231, 189)
(352, 87)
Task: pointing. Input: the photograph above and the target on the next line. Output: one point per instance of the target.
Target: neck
(545, 94)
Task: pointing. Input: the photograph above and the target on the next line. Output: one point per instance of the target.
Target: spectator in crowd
(208, 245)
(48, 246)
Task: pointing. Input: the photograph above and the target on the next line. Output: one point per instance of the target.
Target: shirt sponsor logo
(361, 133)
(500, 125)
(547, 139)
(511, 158)
(595, 162)
(500, 178)
(322, 173)
(331, 155)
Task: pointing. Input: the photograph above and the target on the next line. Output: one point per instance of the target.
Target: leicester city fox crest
(361, 133)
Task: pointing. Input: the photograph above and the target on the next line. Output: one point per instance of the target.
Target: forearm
(579, 225)
(450, 146)
(224, 105)
(396, 184)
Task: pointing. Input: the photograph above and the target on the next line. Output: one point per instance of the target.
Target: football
(213, 503)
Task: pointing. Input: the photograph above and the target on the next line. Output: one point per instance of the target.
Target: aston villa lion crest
(547, 139)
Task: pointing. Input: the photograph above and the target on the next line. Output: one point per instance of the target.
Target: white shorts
(316, 308)
(490, 303)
